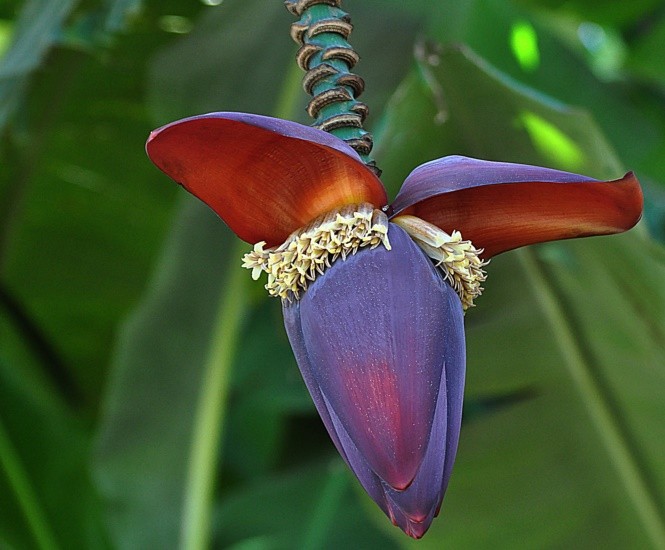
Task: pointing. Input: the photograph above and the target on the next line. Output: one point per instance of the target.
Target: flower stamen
(458, 259)
(309, 251)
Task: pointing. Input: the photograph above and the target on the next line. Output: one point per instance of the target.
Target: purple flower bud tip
(387, 373)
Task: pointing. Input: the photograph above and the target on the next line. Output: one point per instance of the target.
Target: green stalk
(597, 406)
(26, 497)
(209, 418)
(210, 414)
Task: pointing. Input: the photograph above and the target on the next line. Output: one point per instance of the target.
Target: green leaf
(220, 81)
(311, 508)
(43, 462)
(267, 392)
(81, 208)
(118, 12)
(35, 32)
(588, 441)
(603, 11)
(620, 108)
(546, 131)
(414, 124)
(644, 59)
(581, 324)
(145, 437)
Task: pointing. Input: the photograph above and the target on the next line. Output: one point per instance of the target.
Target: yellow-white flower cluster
(458, 259)
(308, 252)
(293, 265)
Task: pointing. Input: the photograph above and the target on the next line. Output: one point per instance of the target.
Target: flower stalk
(327, 58)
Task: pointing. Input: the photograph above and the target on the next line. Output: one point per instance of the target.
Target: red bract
(379, 335)
(500, 206)
(264, 177)
(267, 177)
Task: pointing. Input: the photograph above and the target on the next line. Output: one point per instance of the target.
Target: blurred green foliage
(113, 282)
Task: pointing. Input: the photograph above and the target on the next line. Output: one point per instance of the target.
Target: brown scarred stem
(327, 58)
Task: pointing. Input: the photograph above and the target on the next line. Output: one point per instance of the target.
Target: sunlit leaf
(524, 43)
(553, 144)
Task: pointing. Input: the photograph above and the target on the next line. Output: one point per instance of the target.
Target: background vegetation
(145, 379)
